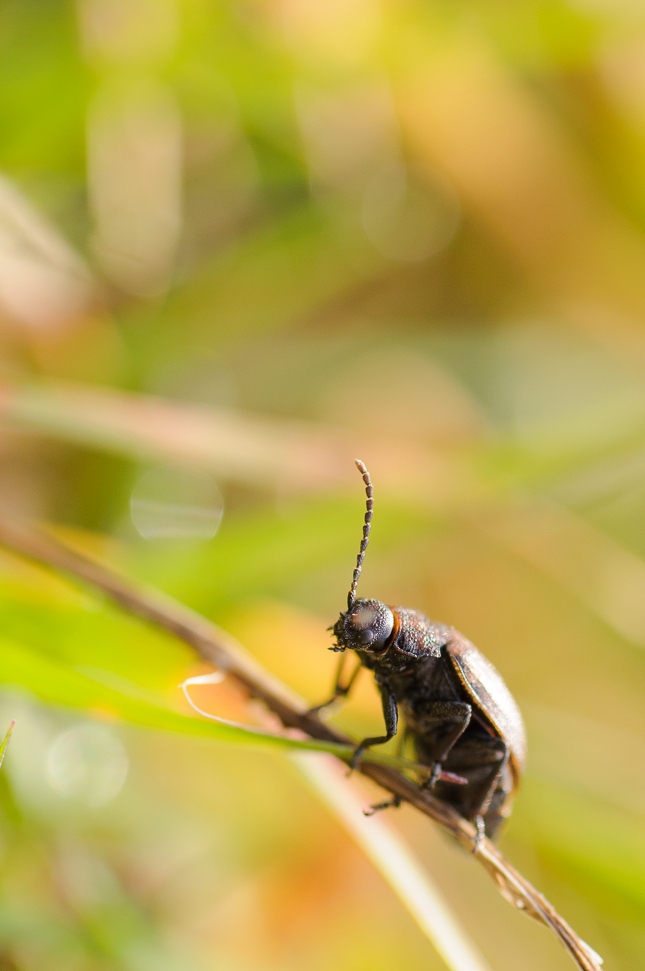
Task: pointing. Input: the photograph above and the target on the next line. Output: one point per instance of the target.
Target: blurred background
(242, 243)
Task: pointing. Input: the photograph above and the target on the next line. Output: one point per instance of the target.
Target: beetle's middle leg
(378, 807)
(340, 690)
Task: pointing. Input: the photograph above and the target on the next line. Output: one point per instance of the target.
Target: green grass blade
(5, 743)
(101, 692)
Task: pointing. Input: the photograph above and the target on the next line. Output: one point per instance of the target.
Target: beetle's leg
(439, 712)
(481, 832)
(395, 801)
(435, 772)
(378, 807)
(391, 715)
(340, 690)
(500, 754)
(484, 761)
(403, 737)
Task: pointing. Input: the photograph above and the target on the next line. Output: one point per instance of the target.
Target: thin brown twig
(219, 648)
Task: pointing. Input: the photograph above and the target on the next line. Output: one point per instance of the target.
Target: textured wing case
(485, 684)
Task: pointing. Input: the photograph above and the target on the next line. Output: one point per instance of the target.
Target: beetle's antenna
(367, 525)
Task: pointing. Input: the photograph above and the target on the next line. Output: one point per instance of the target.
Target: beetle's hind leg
(483, 760)
(378, 807)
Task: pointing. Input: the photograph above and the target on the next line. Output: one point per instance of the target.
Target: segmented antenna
(367, 524)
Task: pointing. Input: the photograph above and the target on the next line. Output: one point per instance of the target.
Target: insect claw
(435, 775)
(356, 757)
(438, 775)
(393, 803)
(456, 780)
(479, 836)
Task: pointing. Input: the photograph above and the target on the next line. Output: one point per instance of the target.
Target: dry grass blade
(284, 453)
(219, 648)
(292, 456)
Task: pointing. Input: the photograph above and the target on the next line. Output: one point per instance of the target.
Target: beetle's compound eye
(367, 636)
(363, 618)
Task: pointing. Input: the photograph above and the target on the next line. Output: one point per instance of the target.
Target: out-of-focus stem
(389, 854)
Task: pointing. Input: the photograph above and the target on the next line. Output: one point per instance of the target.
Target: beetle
(463, 721)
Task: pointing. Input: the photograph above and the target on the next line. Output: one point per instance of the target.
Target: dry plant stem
(219, 648)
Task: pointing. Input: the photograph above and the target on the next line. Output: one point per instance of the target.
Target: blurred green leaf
(592, 844)
(102, 692)
(5, 742)
(107, 693)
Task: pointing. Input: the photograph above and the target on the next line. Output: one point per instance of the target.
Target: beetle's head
(366, 626)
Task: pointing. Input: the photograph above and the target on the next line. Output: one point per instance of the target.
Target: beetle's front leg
(340, 690)
(391, 715)
(395, 801)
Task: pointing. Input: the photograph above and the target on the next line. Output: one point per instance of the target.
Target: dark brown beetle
(462, 718)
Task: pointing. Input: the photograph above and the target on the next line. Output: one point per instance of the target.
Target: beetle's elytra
(461, 717)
